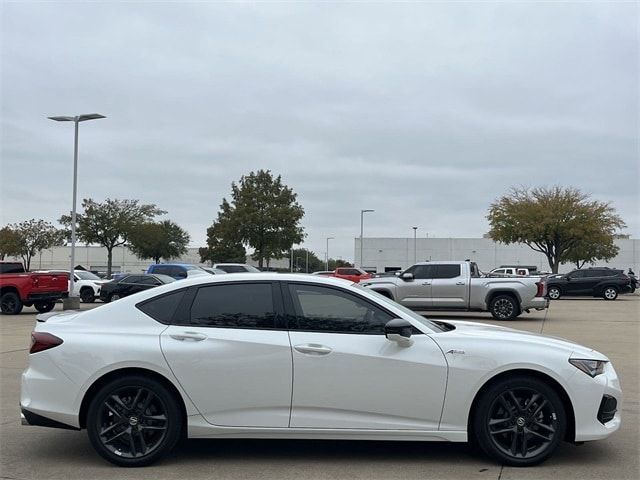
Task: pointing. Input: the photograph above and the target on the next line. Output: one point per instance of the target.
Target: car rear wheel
(504, 307)
(554, 293)
(610, 293)
(519, 421)
(113, 297)
(134, 421)
(44, 307)
(87, 295)
(10, 304)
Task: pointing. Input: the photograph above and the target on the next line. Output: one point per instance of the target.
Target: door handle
(313, 349)
(460, 283)
(193, 336)
(426, 283)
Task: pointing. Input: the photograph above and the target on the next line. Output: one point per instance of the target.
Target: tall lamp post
(362, 212)
(73, 302)
(326, 263)
(415, 248)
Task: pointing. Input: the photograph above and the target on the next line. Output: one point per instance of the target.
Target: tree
(223, 243)
(592, 249)
(333, 264)
(158, 240)
(556, 221)
(9, 242)
(110, 223)
(263, 214)
(300, 261)
(33, 236)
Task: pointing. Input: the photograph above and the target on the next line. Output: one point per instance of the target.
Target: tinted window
(162, 308)
(240, 305)
(149, 281)
(11, 268)
(423, 271)
(595, 273)
(331, 310)
(577, 274)
(178, 272)
(131, 279)
(163, 269)
(232, 268)
(447, 271)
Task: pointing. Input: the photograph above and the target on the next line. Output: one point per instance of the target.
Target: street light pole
(415, 248)
(326, 263)
(362, 212)
(73, 302)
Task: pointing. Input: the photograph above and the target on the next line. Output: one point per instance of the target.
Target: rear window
(232, 268)
(11, 268)
(162, 308)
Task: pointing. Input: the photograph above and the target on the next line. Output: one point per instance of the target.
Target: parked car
(592, 282)
(236, 268)
(352, 274)
(509, 271)
(20, 289)
(295, 356)
(176, 270)
(86, 284)
(324, 273)
(131, 284)
(213, 271)
(459, 286)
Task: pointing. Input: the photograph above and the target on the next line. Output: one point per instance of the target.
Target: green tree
(33, 236)
(158, 240)
(333, 264)
(263, 214)
(223, 243)
(110, 223)
(300, 261)
(9, 242)
(591, 249)
(556, 221)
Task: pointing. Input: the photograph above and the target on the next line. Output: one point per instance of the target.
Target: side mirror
(399, 330)
(406, 276)
(568, 278)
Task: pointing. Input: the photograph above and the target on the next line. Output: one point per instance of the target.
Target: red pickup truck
(350, 273)
(23, 289)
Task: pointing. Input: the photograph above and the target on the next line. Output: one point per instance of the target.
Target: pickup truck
(20, 289)
(355, 275)
(458, 286)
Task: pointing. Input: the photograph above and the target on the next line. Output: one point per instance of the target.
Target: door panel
(366, 381)
(449, 287)
(416, 293)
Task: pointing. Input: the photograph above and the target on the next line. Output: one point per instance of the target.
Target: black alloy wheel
(44, 307)
(10, 303)
(504, 307)
(87, 295)
(520, 422)
(134, 421)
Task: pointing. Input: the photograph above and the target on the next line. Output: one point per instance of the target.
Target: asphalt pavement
(610, 327)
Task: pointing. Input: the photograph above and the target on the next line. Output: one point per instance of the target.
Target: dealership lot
(611, 327)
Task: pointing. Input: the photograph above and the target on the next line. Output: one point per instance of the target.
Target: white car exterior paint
(420, 392)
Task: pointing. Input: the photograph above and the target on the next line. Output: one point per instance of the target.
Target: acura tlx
(300, 356)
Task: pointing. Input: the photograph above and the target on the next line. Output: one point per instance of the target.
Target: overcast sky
(424, 112)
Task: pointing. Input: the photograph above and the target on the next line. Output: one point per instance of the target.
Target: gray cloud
(424, 112)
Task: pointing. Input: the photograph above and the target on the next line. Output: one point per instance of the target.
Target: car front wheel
(554, 293)
(134, 421)
(87, 295)
(519, 421)
(610, 293)
(10, 303)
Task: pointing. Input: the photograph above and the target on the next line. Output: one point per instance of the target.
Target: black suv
(594, 282)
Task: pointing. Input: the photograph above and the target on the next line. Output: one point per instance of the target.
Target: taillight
(540, 291)
(43, 341)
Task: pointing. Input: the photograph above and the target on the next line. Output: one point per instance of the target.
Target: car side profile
(300, 356)
(593, 282)
(130, 284)
(178, 271)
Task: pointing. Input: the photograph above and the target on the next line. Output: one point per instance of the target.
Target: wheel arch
(520, 372)
(118, 373)
(10, 289)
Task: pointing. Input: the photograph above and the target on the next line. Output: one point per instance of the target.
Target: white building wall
(388, 253)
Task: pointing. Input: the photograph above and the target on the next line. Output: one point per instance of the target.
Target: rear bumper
(33, 419)
(536, 303)
(46, 296)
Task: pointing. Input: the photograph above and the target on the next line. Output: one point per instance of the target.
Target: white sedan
(301, 356)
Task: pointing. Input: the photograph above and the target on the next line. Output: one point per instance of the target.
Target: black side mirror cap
(399, 330)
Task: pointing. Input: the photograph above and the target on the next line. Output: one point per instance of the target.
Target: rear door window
(447, 271)
(234, 305)
(163, 307)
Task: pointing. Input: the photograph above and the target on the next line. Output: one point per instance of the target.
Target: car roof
(262, 276)
(446, 262)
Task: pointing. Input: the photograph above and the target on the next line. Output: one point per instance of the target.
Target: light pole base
(71, 303)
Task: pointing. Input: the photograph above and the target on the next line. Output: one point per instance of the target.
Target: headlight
(590, 367)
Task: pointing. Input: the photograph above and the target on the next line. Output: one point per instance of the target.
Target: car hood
(486, 332)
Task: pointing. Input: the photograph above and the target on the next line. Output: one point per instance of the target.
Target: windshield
(84, 275)
(428, 323)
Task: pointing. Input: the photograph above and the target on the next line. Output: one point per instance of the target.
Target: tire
(521, 435)
(554, 293)
(87, 295)
(610, 293)
(134, 421)
(44, 307)
(113, 297)
(10, 304)
(504, 307)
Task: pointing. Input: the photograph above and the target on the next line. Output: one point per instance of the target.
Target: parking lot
(610, 327)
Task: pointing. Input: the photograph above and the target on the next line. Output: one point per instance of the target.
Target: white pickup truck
(459, 286)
